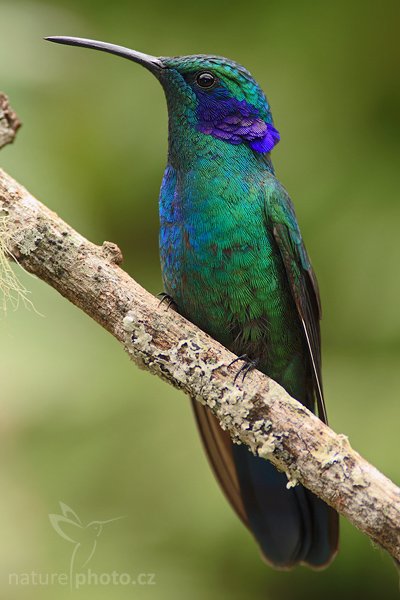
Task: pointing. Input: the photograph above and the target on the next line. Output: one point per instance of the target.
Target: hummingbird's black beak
(152, 63)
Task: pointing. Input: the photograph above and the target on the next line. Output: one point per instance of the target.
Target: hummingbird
(234, 263)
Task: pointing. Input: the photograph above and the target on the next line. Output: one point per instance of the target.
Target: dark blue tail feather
(290, 525)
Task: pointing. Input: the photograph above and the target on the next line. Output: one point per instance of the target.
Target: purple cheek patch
(235, 122)
(267, 142)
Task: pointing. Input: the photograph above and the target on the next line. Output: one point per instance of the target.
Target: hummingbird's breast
(221, 266)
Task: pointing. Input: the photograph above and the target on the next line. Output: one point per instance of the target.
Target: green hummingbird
(234, 263)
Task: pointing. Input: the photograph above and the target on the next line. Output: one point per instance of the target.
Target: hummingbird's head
(211, 94)
(220, 98)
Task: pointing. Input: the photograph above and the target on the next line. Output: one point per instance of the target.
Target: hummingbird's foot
(249, 365)
(168, 300)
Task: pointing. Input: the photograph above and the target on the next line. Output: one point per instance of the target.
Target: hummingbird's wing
(302, 281)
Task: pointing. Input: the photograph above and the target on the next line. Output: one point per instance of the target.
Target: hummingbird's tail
(291, 526)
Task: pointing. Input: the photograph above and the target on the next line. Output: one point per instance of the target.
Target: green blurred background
(82, 425)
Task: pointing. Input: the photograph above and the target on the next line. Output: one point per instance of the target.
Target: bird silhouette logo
(84, 536)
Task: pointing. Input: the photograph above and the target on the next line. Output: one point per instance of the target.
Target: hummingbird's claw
(249, 365)
(168, 300)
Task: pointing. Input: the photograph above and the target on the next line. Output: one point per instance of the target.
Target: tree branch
(258, 413)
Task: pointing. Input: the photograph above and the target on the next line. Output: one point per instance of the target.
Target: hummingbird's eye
(205, 79)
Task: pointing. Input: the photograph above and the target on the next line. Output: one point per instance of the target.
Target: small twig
(12, 292)
(9, 122)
